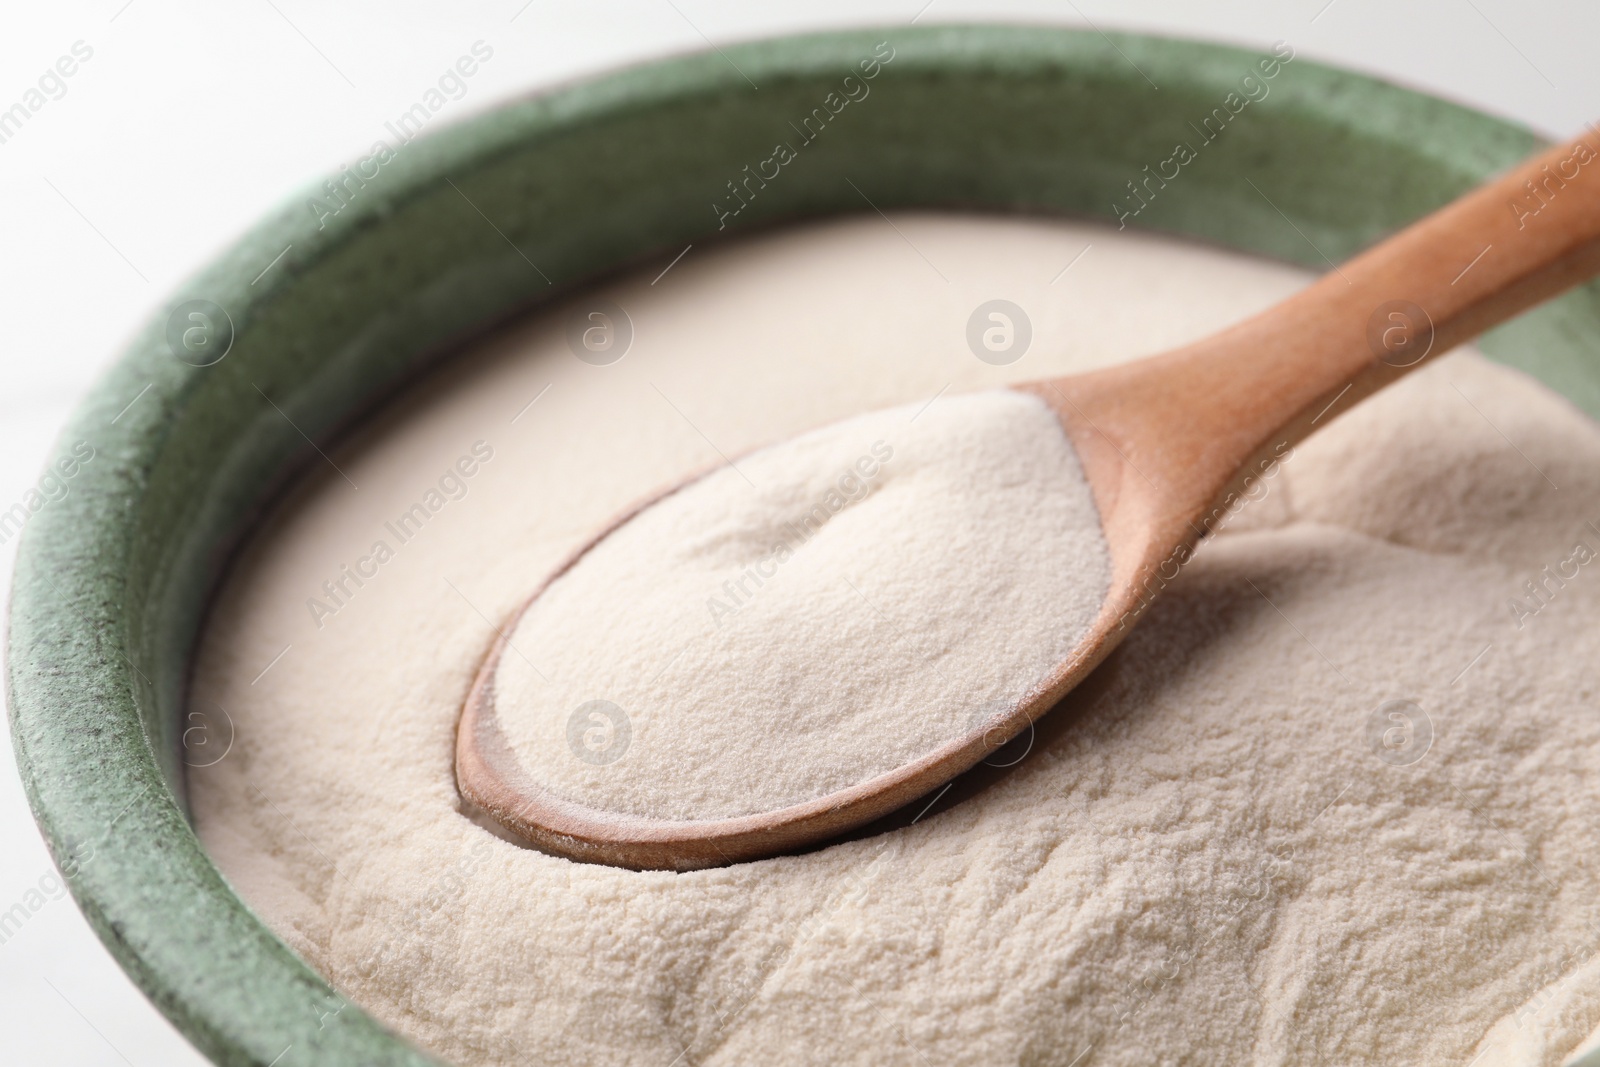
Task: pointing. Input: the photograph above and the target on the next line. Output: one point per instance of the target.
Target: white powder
(1205, 858)
(824, 611)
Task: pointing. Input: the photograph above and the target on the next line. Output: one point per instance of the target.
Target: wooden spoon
(1168, 445)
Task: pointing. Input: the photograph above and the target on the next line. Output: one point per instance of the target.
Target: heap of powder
(822, 611)
(1224, 848)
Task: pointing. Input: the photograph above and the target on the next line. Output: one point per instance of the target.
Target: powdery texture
(822, 612)
(1204, 857)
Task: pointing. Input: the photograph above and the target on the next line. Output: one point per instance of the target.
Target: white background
(193, 119)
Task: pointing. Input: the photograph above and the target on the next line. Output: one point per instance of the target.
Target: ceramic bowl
(332, 304)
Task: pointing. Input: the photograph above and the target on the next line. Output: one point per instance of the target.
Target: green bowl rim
(105, 787)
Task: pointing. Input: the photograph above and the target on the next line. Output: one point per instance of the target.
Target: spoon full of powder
(821, 631)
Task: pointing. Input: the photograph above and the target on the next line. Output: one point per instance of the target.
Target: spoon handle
(1189, 426)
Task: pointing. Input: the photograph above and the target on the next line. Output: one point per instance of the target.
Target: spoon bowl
(1168, 446)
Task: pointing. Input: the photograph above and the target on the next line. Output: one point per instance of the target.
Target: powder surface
(1223, 849)
(823, 611)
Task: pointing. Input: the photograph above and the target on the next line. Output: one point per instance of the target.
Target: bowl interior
(435, 241)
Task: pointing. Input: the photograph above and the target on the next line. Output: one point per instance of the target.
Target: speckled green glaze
(112, 582)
